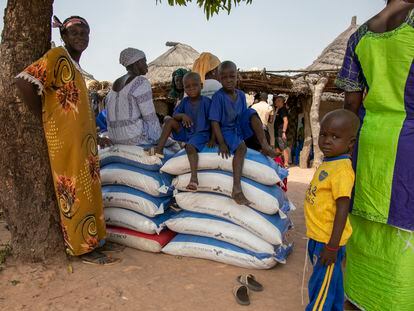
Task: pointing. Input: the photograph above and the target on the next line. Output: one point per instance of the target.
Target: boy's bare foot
(270, 152)
(239, 198)
(155, 151)
(193, 184)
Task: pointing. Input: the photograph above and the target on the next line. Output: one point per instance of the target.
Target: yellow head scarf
(205, 63)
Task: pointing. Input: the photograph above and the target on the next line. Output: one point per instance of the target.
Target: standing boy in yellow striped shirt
(326, 210)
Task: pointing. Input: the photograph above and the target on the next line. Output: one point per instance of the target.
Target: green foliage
(210, 7)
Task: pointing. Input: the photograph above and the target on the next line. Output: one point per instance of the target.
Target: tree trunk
(26, 190)
(317, 90)
(307, 143)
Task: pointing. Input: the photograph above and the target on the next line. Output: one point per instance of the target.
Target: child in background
(232, 122)
(189, 124)
(326, 210)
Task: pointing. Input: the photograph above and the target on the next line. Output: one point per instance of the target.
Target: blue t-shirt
(198, 112)
(226, 112)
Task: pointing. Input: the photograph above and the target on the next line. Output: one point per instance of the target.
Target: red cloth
(279, 161)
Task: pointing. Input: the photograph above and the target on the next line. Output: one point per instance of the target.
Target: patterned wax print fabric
(199, 134)
(380, 254)
(131, 116)
(332, 180)
(233, 117)
(70, 131)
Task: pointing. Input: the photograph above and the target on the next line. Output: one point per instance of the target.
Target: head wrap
(73, 20)
(205, 63)
(180, 72)
(130, 56)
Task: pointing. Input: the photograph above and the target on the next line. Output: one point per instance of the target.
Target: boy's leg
(325, 285)
(169, 126)
(192, 155)
(238, 161)
(257, 127)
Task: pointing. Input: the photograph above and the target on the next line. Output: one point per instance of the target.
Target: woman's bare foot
(239, 198)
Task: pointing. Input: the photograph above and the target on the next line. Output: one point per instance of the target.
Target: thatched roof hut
(178, 56)
(329, 62)
(318, 82)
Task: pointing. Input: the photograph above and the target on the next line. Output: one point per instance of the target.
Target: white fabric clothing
(210, 86)
(130, 56)
(131, 117)
(264, 110)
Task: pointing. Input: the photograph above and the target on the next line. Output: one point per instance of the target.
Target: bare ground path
(147, 282)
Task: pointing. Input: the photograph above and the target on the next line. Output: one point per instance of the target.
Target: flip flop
(192, 186)
(99, 259)
(249, 280)
(241, 293)
(151, 152)
(110, 247)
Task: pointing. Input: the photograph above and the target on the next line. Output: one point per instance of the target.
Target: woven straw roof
(333, 55)
(178, 56)
(331, 60)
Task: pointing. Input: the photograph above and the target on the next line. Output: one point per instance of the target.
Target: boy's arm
(212, 141)
(223, 149)
(329, 254)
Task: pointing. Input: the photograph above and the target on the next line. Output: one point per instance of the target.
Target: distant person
(326, 210)
(131, 117)
(54, 88)
(189, 125)
(281, 126)
(207, 67)
(232, 122)
(177, 87)
(265, 112)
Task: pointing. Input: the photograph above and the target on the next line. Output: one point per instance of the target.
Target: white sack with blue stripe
(152, 183)
(128, 219)
(135, 200)
(257, 166)
(219, 229)
(130, 155)
(270, 228)
(266, 199)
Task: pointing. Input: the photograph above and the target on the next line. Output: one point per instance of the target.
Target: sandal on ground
(192, 186)
(110, 247)
(152, 152)
(241, 293)
(250, 281)
(98, 258)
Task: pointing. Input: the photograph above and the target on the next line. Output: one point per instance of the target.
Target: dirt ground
(145, 281)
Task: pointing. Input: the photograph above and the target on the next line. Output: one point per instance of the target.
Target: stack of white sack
(215, 227)
(136, 198)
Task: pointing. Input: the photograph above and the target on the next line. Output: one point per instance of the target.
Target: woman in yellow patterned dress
(55, 84)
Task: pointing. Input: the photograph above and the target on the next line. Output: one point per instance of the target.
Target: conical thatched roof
(178, 56)
(333, 55)
(331, 60)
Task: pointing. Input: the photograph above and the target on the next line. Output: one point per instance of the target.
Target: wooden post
(307, 143)
(316, 85)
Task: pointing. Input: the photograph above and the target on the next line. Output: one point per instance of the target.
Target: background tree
(26, 185)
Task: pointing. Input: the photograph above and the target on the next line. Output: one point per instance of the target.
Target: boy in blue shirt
(232, 122)
(189, 124)
(326, 210)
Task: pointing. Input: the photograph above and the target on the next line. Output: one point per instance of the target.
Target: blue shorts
(197, 140)
(326, 289)
(234, 137)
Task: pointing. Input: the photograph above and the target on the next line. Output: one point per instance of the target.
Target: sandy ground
(145, 281)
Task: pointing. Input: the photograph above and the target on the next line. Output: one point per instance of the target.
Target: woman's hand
(186, 121)
(284, 136)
